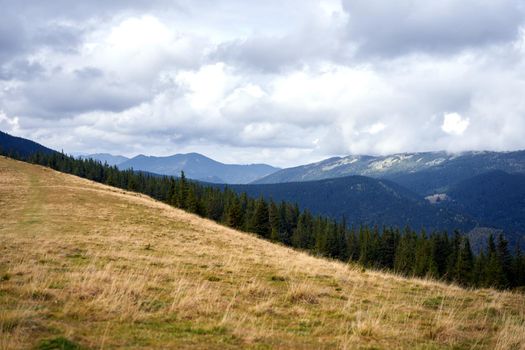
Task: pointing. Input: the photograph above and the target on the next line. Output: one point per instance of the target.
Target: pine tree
(494, 274)
(192, 203)
(464, 264)
(234, 214)
(405, 253)
(502, 251)
(518, 266)
(302, 236)
(182, 193)
(261, 222)
(275, 222)
(387, 249)
(421, 262)
(478, 271)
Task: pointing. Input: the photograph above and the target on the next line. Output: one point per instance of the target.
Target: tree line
(437, 255)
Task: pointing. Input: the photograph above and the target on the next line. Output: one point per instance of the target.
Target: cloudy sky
(282, 82)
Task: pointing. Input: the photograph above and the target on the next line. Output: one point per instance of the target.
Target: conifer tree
(234, 216)
(261, 222)
(405, 253)
(505, 258)
(518, 266)
(464, 264)
(275, 222)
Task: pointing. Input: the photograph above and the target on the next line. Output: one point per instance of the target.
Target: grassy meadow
(86, 266)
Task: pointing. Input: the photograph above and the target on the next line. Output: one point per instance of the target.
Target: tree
(405, 253)
(302, 236)
(234, 214)
(182, 193)
(275, 222)
(464, 264)
(505, 258)
(261, 222)
(494, 274)
(518, 267)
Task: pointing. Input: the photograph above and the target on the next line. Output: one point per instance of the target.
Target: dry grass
(106, 269)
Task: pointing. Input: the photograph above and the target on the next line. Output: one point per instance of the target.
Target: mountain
(199, 167)
(106, 158)
(424, 173)
(21, 146)
(494, 199)
(121, 270)
(363, 200)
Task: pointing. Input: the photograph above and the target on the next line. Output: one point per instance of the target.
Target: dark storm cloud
(387, 28)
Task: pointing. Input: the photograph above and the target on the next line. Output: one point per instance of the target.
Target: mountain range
(110, 159)
(477, 192)
(424, 173)
(198, 167)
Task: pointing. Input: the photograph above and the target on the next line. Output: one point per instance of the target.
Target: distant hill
(363, 200)
(106, 158)
(198, 167)
(495, 199)
(20, 146)
(425, 173)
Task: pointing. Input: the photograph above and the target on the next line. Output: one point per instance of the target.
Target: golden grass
(106, 269)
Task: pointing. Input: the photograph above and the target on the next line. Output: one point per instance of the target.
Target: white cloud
(8, 124)
(285, 83)
(376, 128)
(454, 124)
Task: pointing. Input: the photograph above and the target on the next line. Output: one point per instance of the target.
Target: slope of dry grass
(96, 267)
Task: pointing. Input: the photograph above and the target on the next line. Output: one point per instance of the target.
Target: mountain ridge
(198, 167)
(423, 172)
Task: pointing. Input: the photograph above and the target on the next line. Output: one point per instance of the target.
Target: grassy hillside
(84, 265)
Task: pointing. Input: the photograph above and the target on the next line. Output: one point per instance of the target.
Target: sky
(279, 82)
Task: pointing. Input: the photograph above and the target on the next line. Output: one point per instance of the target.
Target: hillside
(424, 173)
(88, 266)
(363, 200)
(21, 146)
(199, 167)
(495, 199)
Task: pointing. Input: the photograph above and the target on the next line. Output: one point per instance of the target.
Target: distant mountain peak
(199, 167)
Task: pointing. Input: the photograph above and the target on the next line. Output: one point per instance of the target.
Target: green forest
(439, 255)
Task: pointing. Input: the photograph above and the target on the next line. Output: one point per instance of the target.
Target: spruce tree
(464, 264)
(505, 258)
(275, 222)
(261, 222)
(234, 214)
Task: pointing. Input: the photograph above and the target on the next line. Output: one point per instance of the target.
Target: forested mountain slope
(20, 146)
(363, 201)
